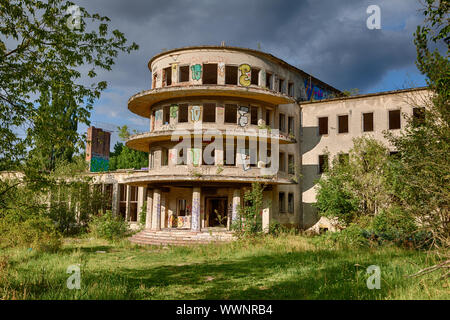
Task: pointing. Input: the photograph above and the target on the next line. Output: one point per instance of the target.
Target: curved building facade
(221, 118)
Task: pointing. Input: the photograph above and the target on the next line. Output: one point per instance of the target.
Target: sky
(326, 38)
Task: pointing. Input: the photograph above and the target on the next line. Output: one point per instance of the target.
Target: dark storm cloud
(327, 38)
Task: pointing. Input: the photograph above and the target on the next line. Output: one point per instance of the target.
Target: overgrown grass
(287, 267)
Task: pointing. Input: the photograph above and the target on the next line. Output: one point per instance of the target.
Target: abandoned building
(222, 105)
(221, 118)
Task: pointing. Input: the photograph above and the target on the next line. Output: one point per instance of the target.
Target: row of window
(230, 115)
(210, 75)
(229, 158)
(282, 202)
(394, 121)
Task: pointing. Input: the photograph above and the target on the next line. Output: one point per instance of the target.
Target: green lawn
(289, 267)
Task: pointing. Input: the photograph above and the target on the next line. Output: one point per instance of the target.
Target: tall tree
(48, 50)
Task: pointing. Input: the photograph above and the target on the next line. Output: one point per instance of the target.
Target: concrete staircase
(181, 237)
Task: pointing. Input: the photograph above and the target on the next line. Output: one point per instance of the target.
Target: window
(209, 112)
(184, 74)
(367, 122)
(291, 89)
(418, 116)
(291, 203)
(343, 124)
(282, 162)
(181, 207)
(323, 125)
(281, 202)
(164, 157)
(167, 76)
(183, 113)
(323, 163)
(254, 115)
(267, 117)
(182, 156)
(231, 113)
(231, 74)
(281, 124)
(155, 77)
(281, 85)
(394, 154)
(291, 125)
(255, 76)
(268, 80)
(228, 153)
(394, 119)
(166, 114)
(210, 73)
(152, 159)
(291, 164)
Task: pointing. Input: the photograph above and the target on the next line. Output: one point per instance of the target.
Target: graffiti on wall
(314, 91)
(245, 159)
(195, 212)
(196, 112)
(99, 164)
(158, 115)
(195, 156)
(184, 222)
(196, 71)
(243, 116)
(173, 111)
(221, 69)
(245, 77)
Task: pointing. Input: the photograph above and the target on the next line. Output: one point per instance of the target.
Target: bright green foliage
(250, 215)
(44, 63)
(126, 158)
(355, 186)
(107, 226)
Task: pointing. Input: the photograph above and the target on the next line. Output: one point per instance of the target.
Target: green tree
(422, 181)
(45, 60)
(125, 158)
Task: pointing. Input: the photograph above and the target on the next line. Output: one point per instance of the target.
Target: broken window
(210, 73)
(184, 74)
(291, 203)
(254, 115)
(291, 89)
(167, 76)
(418, 116)
(281, 85)
(323, 163)
(183, 113)
(281, 124)
(231, 74)
(229, 154)
(368, 122)
(291, 125)
(166, 114)
(291, 164)
(231, 113)
(181, 207)
(155, 77)
(267, 117)
(255, 76)
(323, 125)
(164, 157)
(394, 119)
(282, 162)
(268, 80)
(281, 201)
(209, 112)
(343, 124)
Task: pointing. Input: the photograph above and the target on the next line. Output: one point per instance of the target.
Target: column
(148, 216)
(236, 205)
(128, 207)
(195, 222)
(115, 199)
(141, 198)
(163, 211)
(267, 211)
(156, 211)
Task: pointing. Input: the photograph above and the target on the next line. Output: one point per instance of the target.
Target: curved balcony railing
(142, 102)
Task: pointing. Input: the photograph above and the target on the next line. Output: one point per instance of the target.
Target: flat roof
(248, 50)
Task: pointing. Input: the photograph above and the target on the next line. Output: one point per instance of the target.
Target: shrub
(106, 226)
(36, 232)
(143, 214)
(394, 224)
(350, 237)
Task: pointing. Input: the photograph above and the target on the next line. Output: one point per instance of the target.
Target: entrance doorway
(216, 212)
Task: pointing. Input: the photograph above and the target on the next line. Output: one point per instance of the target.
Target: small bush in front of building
(107, 226)
(351, 237)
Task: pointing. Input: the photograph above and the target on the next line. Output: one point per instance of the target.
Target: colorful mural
(245, 77)
(99, 164)
(196, 113)
(196, 71)
(243, 116)
(314, 91)
(184, 222)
